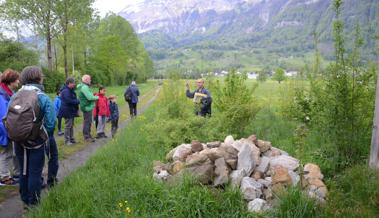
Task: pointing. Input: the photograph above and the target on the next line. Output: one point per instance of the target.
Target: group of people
(29, 119)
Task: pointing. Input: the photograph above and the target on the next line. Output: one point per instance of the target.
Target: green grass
(147, 91)
(122, 171)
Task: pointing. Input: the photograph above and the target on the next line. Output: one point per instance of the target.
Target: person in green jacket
(87, 103)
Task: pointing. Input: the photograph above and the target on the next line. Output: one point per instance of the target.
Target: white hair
(134, 83)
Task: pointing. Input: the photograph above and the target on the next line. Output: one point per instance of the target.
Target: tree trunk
(64, 46)
(56, 58)
(49, 50)
(374, 154)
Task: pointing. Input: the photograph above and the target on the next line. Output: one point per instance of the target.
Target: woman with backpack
(32, 134)
(9, 83)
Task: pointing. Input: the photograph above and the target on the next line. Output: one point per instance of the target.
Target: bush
(235, 104)
(53, 81)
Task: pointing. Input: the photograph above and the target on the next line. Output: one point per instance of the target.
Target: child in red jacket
(101, 111)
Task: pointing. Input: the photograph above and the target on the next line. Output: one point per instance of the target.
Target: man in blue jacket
(133, 92)
(69, 109)
(9, 83)
(31, 161)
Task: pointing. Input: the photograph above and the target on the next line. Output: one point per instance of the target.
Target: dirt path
(12, 207)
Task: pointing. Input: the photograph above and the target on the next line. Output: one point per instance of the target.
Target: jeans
(59, 124)
(114, 123)
(101, 124)
(6, 157)
(69, 130)
(87, 122)
(133, 109)
(53, 164)
(30, 183)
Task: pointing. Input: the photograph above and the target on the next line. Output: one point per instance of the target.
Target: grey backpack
(23, 120)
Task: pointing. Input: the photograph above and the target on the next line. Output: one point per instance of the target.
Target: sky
(104, 6)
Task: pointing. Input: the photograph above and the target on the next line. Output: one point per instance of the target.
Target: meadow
(117, 181)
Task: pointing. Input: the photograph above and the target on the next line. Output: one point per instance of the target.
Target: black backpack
(23, 121)
(128, 95)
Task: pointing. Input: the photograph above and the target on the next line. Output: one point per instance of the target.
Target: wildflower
(120, 205)
(128, 210)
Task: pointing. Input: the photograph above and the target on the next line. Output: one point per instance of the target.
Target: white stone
(236, 177)
(257, 205)
(182, 151)
(161, 176)
(237, 145)
(264, 164)
(264, 182)
(246, 160)
(229, 140)
(285, 161)
(250, 188)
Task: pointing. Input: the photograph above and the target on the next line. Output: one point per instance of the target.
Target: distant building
(291, 73)
(252, 75)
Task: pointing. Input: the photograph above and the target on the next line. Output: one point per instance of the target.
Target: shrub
(235, 104)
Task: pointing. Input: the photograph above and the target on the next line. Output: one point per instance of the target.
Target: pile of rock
(254, 166)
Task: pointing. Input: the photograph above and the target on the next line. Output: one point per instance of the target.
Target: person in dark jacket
(9, 83)
(202, 99)
(69, 109)
(134, 93)
(113, 108)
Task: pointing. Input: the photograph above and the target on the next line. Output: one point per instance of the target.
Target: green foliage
(339, 105)
(235, 103)
(279, 75)
(53, 81)
(118, 56)
(295, 204)
(15, 55)
(262, 76)
(354, 193)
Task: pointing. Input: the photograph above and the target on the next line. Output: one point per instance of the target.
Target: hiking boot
(60, 133)
(8, 181)
(73, 141)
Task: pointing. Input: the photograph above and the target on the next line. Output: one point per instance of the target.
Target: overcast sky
(104, 6)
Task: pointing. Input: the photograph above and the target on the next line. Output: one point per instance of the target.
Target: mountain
(246, 34)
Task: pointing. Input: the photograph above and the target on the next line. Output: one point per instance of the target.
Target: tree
(14, 55)
(39, 13)
(279, 75)
(262, 76)
(117, 54)
(71, 13)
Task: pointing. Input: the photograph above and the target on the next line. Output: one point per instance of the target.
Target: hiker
(69, 110)
(101, 111)
(113, 108)
(201, 98)
(30, 129)
(9, 83)
(57, 105)
(87, 103)
(131, 96)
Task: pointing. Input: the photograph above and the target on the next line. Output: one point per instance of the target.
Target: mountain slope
(245, 33)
